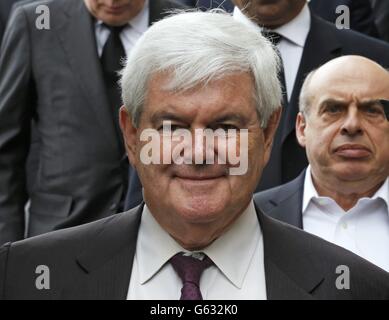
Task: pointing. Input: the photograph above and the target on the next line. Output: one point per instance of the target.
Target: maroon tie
(189, 270)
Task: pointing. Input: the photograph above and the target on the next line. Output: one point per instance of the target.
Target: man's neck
(344, 195)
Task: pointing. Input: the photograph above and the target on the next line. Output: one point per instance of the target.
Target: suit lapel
(290, 268)
(321, 46)
(106, 261)
(77, 37)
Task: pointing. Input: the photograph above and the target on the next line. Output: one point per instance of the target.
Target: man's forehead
(235, 90)
(351, 79)
(349, 91)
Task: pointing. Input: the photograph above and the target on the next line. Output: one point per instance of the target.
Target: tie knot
(116, 30)
(272, 36)
(189, 268)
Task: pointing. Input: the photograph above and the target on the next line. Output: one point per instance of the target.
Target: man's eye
(374, 110)
(333, 109)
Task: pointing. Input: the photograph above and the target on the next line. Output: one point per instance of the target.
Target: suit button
(113, 207)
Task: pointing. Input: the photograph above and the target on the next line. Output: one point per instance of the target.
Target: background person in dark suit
(64, 78)
(381, 13)
(361, 14)
(5, 9)
(343, 196)
(306, 42)
(206, 214)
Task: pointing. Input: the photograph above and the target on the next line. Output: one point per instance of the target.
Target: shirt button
(344, 225)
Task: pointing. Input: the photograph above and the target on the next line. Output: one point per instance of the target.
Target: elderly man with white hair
(200, 102)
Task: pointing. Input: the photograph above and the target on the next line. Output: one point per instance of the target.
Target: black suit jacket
(94, 261)
(324, 42)
(361, 14)
(56, 80)
(381, 14)
(284, 202)
(5, 9)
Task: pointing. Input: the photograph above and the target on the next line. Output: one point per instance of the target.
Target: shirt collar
(383, 193)
(310, 191)
(140, 22)
(295, 31)
(155, 246)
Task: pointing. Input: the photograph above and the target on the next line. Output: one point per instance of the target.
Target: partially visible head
(192, 70)
(114, 12)
(342, 126)
(271, 13)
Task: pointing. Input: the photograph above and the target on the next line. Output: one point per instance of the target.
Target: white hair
(196, 48)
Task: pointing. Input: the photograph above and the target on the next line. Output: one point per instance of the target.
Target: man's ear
(301, 125)
(270, 131)
(129, 134)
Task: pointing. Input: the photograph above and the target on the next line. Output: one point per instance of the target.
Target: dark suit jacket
(361, 14)
(288, 159)
(324, 42)
(54, 77)
(5, 9)
(381, 14)
(284, 202)
(211, 4)
(94, 261)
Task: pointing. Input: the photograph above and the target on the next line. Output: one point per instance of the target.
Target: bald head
(344, 129)
(348, 75)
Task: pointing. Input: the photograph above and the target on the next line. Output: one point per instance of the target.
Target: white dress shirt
(364, 229)
(291, 47)
(238, 272)
(130, 34)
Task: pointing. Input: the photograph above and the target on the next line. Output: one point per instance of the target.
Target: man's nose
(352, 124)
(202, 147)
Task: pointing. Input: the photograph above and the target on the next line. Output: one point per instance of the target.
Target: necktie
(275, 38)
(113, 53)
(189, 269)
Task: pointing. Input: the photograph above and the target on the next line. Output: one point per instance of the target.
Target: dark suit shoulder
(353, 42)
(74, 237)
(263, 197)
(284, 202)
(307, 255)
(59, 252)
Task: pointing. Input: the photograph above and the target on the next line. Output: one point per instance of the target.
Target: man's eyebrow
(333, 101)
(230, 117)
(163, 115)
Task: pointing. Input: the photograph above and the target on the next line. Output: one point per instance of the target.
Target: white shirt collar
(140, 22)
(295, 31)
(156, 246)
(310, 191)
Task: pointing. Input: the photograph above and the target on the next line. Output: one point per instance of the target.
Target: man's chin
(353, 173)
(199, 210)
